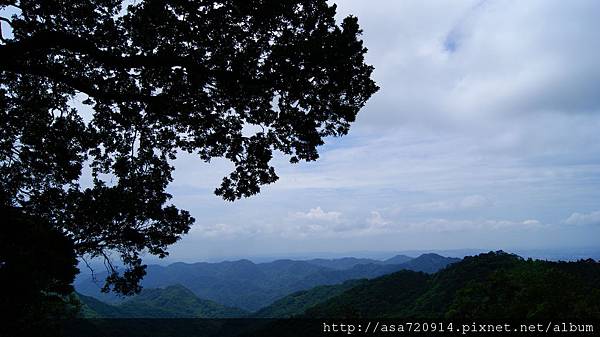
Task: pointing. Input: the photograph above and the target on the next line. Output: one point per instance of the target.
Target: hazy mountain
(251, 286)
(343, 263)
(398, 259)
(429, 263)
(489, 286)
(350, 262)
(298, 302)
(172, 302)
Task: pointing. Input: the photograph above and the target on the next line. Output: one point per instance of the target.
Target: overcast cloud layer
(485, 134)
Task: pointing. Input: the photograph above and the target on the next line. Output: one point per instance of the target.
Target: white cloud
(441, 225)
(377, 224)
(219, 230)
(507, 59)
(487, 111)
(584, 219)
(474, 201)
(468, 202)
(317, 222)
(435, 206)
(319, 215)
(375, 220)
(532, 223)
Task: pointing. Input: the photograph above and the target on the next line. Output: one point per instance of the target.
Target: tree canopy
(156, 78)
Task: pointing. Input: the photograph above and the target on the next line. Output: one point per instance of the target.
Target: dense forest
(491, 286)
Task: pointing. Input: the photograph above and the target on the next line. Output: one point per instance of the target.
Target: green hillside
(297, 303)
(171, 302)
(492, 286)
(94, 308)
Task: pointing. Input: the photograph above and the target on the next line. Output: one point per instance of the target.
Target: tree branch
(1, 35)
(78, 84)
(89, 267)
(6, 20)
(108, 263)
(14, 4)
(52, 40)
(16, 56)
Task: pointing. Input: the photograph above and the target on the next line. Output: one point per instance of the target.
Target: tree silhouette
(37, 268)
(156, 78)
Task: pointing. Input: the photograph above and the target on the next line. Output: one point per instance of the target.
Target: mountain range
(251, 286)
(487, 287)
(491, 286)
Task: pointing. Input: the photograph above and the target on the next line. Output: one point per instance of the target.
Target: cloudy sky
(485, 134)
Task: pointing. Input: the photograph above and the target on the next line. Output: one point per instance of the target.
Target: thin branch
(132, 156)
(107, 260)
(6, 20)
(2, 36)
(90, 268)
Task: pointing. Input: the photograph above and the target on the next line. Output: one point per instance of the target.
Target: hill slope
(94, 308)
(297, 303)
(492, 286)
(171, 302)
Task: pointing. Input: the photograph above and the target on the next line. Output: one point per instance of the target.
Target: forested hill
(171, 302)
(297, 303)
(491, 286)
(252, 286)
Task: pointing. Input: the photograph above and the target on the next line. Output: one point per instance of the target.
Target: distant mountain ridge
(250, 286)
(349, 262)
(297, 303)
(488, 287)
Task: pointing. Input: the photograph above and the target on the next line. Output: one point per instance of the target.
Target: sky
(484, 134)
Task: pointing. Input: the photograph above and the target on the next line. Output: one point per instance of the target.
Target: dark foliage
(154, 79)
(37, 268)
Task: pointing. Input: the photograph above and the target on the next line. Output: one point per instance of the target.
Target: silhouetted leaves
(154, 79)
(37, 268)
